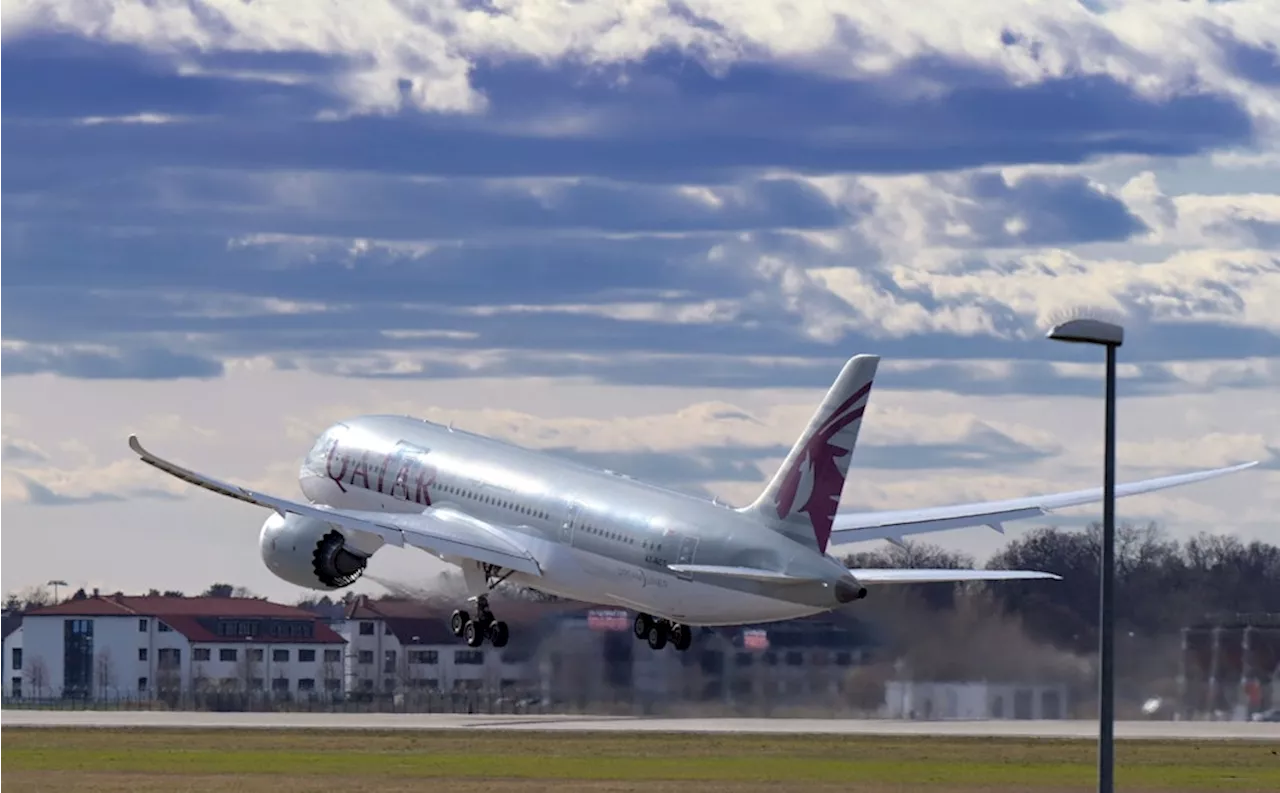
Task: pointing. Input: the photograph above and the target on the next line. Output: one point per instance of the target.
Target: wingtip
(136, 445)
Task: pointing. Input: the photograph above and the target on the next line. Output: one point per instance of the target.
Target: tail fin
(801, 499)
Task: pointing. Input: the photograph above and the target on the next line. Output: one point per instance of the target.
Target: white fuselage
(598, 537)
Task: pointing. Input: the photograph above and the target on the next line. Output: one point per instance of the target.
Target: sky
(641, 234)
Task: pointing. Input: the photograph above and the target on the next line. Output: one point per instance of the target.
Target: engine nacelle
(309, 553)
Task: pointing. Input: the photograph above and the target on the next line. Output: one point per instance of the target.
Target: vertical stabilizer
(801, 499)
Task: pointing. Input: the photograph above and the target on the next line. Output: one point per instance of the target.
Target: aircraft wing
(438, 530)
(893, 525)
(924, 576)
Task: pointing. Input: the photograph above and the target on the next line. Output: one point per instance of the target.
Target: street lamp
(55, 583)
(1111, 336)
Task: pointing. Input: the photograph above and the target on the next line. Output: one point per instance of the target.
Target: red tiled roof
(183, 614)
(161, 606)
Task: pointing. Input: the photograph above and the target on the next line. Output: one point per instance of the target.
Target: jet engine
(309, 552)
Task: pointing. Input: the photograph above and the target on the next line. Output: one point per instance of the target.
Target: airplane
(502, 512)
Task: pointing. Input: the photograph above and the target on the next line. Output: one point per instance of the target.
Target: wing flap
(873, 576)
(895, 524)
(439, 531)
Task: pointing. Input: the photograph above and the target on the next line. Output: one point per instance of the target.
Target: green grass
(247, 761)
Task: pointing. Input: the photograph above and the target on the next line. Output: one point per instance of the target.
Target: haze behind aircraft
(504, 513)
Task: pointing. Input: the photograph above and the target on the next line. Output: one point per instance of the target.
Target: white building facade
(111, 647)
(392, 648)
(14, 672)
(979, 700)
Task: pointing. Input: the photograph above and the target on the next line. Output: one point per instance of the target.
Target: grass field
(291, 761)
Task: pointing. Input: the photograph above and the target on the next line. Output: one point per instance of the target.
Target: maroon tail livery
(802, 498)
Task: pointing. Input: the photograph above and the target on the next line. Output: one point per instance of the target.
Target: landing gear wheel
(458, 622)
(642, 625)
(498, 634)
(681, 637)
(473, 633)
(657, 636)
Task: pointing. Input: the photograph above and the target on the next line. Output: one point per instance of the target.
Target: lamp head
(1087, 328)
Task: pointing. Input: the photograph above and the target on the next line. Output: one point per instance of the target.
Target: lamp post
(1110, 336)
(55, 583)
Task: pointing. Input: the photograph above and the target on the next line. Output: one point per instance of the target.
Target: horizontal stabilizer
(923, 576)
(743, 573)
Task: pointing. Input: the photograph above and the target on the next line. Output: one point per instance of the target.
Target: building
(397, 646)
(573, 655)
(1230, 667)
(11, 625)
(122, 646)
(909, 699)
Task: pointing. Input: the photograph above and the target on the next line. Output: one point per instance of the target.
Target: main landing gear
(658, 631)
(484, 626)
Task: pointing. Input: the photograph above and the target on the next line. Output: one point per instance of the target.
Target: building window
(365, 657)
(160, 626)
(256, 684)
(366, 629)
(306, 684)
(424, 657)
(77, 656)
(255, 653)
(332, 684)
(170, 658)
(280, 684)
(142, 626)
(16, 688)
(200, 654)
(17, 659)
(332, 656)
(465, 657)
(795, 658)
(280, 656)
(389, 662)
(142, 653)
(227, 654)
(142, 684)
(307, 657)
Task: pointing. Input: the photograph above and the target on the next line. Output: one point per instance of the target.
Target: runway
(1148, 730)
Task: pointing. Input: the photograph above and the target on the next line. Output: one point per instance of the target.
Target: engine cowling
(309, 553)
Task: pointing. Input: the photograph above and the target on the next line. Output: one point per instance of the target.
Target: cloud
(19, 452)
(143, 364)
(421, 192)
(53, 487)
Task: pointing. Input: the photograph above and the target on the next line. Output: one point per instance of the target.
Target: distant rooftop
(10, 622)
(221, 620)
(162, 605)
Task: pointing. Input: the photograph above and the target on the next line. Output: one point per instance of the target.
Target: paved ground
(1187, 730)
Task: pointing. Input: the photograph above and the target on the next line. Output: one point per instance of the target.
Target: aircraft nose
(849, 590)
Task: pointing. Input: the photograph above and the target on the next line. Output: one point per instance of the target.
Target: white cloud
(1157, 47)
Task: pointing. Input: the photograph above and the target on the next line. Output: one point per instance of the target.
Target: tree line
(1162, 585)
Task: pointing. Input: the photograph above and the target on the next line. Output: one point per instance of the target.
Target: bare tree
(329, 671)
(36, 673)
(249, 667)
(199, 681)
(104, 671)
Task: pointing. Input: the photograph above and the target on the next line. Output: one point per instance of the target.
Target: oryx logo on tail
(802, 498)
(823, 463)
